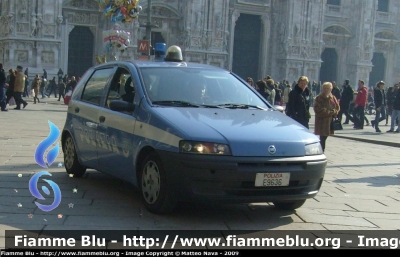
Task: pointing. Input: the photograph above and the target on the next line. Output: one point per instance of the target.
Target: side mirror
(121, 106)
(279, 108)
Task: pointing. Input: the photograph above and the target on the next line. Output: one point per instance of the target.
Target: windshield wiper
(176, 103)
(241, 106)
(211, 106)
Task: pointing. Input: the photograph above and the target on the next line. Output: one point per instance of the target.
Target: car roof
(161, 63)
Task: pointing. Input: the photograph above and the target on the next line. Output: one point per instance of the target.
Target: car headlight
(203, 148)
(314, 149)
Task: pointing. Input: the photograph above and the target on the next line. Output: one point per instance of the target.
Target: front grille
(269, 164)
(272, 166)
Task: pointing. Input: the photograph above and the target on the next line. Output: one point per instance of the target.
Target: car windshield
(195, 87)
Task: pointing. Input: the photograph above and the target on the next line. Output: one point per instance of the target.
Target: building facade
(326, 40)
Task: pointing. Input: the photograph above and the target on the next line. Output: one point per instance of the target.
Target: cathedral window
(383, 5)
(334, 2)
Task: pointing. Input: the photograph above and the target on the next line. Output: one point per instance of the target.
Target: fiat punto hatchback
(184, 131)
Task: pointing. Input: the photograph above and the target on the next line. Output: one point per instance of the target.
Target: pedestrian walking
(43, 87)
(26, 89)
(3, 98)
(52, 87)
(10, 88)
(286, 92)
(60, 75)
(61, 90)
(345, 99)
(390, 95)
(395, 113)
(359, 106)
(297, 107)
(380, 105)
(36, 84)
(19, 88)
(326, 107)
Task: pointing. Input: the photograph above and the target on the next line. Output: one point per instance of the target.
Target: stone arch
(161, 10)
(82, 4)
(386, 34)
(338, 30)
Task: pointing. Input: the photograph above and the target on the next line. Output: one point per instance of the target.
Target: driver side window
(121, 87)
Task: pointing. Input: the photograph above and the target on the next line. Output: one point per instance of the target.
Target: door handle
(102, 119)
(76, 109)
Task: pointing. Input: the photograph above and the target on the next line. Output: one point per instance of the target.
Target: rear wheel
(154, 187)
(289, 205)
(71, 161)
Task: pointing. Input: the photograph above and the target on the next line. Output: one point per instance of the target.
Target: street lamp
(148, 25)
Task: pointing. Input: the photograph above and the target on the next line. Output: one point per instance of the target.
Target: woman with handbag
(326, 108)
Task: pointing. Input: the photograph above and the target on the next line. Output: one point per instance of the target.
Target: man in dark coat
(380, 105)
(336, 91)
(61, 90)
(345, 100)
(297, 104)
(395, 113)
(60, 75)
(3, 97)
(71, 84)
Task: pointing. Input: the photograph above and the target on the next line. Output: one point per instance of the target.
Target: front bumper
(232, 179)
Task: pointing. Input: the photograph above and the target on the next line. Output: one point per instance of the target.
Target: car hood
(247, 132)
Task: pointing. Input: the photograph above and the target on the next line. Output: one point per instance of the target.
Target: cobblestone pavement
(360, 190)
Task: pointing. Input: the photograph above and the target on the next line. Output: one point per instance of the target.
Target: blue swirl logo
(50, 157)
(52, 154)
(35, 192)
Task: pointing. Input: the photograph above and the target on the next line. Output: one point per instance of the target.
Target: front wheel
(71, 161)
(289, 205)
(155, 189)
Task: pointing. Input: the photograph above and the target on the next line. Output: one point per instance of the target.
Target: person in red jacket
(359, 105)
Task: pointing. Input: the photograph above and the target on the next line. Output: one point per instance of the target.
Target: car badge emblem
(271, 149)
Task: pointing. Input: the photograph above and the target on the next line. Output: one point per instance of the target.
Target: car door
(85, 116)
(115, 148)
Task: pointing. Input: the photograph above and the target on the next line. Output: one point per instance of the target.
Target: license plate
(272, 179)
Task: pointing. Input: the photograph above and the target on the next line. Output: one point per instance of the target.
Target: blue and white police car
(183, 131)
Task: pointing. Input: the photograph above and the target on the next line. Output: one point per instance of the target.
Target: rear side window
(94, 88)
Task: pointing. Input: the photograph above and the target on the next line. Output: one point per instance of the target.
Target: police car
(183, 131)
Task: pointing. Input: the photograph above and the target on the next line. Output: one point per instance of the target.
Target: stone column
(265, 21)
(64, 45)
(235, 17)
(39, 50)
(389, 56)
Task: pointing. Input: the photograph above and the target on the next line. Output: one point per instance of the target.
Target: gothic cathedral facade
(325, 40)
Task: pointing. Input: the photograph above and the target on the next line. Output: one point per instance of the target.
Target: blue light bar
(160, 50)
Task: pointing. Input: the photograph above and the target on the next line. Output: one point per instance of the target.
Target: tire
(71, 161)
(289, 205)
(155, 190)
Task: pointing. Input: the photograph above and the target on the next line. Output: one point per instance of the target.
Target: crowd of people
(376, 100)
(329, 102)
(16, 85)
